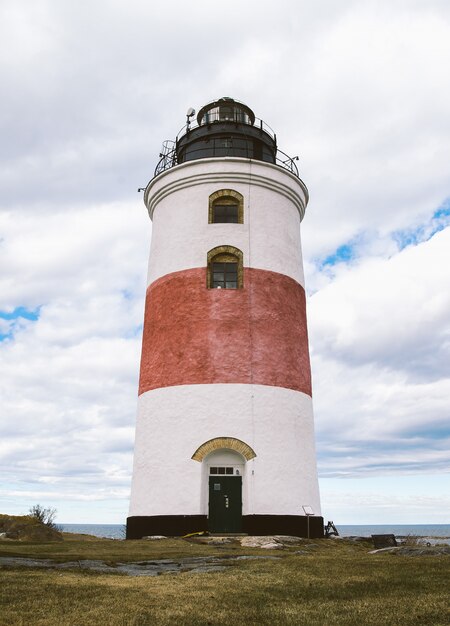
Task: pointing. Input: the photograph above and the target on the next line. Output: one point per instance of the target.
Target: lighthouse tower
(224, 434)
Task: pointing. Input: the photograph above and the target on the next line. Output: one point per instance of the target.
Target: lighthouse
(225, 434)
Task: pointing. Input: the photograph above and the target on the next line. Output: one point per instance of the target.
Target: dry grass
(338, 583)
(28, 528)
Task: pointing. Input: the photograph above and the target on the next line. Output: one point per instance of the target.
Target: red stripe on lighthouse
(254, 335)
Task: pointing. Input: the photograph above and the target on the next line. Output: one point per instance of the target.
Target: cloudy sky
(359, 89)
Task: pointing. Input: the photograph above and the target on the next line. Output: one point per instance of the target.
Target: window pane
(224, 275)
(219, 213)
(226, 113)
(225, 213)
(228, 470)
(221, 470)
(230, 268)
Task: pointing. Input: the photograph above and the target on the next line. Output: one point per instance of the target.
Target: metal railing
(239, 117)
(168, 158)
(283, 160)
(168, 154)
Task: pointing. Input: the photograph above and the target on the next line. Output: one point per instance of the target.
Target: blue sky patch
(413, 236)
(343, 254)
(19, 313)
(350, 250)
(444, 211)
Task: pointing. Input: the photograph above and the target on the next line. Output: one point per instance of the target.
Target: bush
(45, 516)
(411, 540)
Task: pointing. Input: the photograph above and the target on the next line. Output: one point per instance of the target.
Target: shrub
(45, 516)
(411, 540)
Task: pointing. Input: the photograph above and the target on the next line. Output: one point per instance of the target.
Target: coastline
(425, 531)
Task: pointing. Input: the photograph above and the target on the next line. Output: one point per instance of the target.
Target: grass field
(337, 582)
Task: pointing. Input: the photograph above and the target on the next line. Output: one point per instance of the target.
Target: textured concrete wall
(174, 421)
(269, 237)
(256, 334)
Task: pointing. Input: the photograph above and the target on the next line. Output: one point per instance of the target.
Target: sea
(117, 531)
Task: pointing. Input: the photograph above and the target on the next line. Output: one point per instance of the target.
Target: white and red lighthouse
(225, 435)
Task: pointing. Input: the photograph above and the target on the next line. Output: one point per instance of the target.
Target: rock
(267, 543)
(415, 550)
(271, 542)
(381, 550)
(424, 550)
(193, 565)
(154, 537)
(288, 539)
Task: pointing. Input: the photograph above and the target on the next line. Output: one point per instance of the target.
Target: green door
(225, 504)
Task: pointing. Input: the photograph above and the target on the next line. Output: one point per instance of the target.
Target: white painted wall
(273, 207)
(174, 421)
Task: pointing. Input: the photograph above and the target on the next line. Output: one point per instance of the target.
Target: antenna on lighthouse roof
(190, 113)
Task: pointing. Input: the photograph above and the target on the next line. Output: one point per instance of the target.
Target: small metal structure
(384, 541)
(308, 511)
(330, 530)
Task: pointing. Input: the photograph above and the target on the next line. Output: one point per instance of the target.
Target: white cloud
(380, 339)
(391, 311)
(408, 499)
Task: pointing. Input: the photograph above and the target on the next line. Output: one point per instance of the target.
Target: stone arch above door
(224, 442)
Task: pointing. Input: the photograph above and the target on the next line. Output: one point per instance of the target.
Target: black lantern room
(227, 128)
(224, 128)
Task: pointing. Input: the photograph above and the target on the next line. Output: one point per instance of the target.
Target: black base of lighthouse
(168, 525)
(295, 525)
(179, 525)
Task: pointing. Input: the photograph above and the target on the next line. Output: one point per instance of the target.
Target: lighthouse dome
(226, 128)
(225, 110)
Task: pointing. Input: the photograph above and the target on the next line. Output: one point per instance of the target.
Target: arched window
(226, 206)
(225, 268)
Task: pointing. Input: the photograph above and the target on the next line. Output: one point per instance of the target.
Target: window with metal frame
(224, 275)
(225, 268)
(221, 470)
(226, 206)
